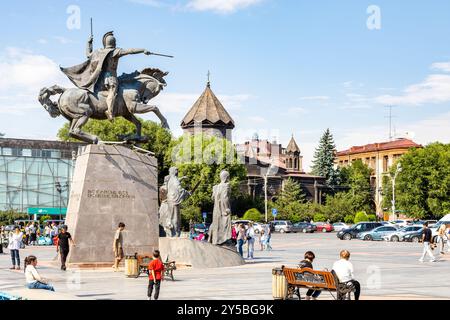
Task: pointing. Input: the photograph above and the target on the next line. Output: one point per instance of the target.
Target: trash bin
(131, 266)
(279, 284)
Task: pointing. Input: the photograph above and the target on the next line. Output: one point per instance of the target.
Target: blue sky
(279, 67)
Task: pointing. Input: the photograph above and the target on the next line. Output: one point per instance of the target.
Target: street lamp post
(60, 190)
(266, 176)
(397, 171)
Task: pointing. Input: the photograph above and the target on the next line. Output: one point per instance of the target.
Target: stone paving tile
(388, 271)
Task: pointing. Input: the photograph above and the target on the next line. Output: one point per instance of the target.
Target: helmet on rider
(109, 41)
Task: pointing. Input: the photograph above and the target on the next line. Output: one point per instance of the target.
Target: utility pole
(266, 177)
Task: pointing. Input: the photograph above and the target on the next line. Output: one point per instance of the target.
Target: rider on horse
(99, 72)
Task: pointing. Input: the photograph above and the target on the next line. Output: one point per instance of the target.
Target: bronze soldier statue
(99, 72)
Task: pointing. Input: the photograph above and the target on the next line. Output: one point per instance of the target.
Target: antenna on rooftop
(390, 122)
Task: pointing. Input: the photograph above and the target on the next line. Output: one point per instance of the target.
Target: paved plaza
(385, 270)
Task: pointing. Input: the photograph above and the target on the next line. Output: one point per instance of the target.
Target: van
(282, 226)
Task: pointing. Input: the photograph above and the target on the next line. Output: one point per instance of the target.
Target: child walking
(155, 269)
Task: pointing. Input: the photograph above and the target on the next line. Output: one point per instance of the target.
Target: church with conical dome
(208, 116)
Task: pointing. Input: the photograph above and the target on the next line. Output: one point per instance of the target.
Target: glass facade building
(35, 173)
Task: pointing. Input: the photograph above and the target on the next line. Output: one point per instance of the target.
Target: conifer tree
(323, 163)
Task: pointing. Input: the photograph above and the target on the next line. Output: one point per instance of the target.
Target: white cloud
(151, 3)
(62, 40)
(25, 72)
(319, 98)
(442, 66)
(181, 102)
(434, 89)
(23, 75)
(220, 6)
(42, 41)
(257, 119)
(295, 110)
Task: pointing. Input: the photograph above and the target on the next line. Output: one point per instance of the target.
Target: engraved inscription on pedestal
(112, 184)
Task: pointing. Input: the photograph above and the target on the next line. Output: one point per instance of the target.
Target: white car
(258, 227)
(400, 234)
(338, 226)
(401, 223)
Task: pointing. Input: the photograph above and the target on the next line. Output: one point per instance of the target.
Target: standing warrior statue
(100, 70)
(164, 215)
(220, 229)
(175, 196)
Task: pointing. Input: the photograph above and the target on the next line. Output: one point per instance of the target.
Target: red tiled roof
(381, 146)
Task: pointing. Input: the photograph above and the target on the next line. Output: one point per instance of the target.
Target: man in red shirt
(155, 269)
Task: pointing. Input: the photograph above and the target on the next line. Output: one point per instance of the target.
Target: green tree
(291, 192)
(339, 206)
(159, 138)
(43, 218)
(423, 185)
(253, 215)
(200, 159)
(188, 213)
(320, 217)
(359, 183)
(323, 162)
(289, 202)
(9, 216)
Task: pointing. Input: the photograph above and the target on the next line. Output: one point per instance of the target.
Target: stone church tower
(208, 116)
(293, 159)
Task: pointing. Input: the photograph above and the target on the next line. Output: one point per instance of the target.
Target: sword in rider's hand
(159, 54)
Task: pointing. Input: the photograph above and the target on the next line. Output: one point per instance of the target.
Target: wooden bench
(316, 280)
(144, 261)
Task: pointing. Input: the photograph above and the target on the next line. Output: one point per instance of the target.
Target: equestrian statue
(100, 94)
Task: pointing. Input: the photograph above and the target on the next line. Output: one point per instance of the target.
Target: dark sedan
(414, 236)
(304, 227)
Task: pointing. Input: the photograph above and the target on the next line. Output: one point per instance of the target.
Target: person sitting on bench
(344, 271)
(307, 263)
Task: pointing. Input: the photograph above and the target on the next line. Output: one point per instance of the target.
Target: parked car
(401, 233)
(282, 226)
(355, 230)
(304, 227)
(244, 222)
(402, 223)
(413, 236)
(434, 229)
(377, 233)
(201, 227)
(258, 227)
(9, 227)
(338, 226)
(324, 227)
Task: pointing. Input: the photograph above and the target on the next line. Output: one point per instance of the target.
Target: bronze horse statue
(78, 105)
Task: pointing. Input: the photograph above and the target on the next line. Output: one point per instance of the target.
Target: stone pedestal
(198, 254)
(112, 184)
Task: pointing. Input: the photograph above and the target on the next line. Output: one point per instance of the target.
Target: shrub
(43, 218)
(320, 217)
(253, 215)
(360, 217)
(349, 219)
(372, 217)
